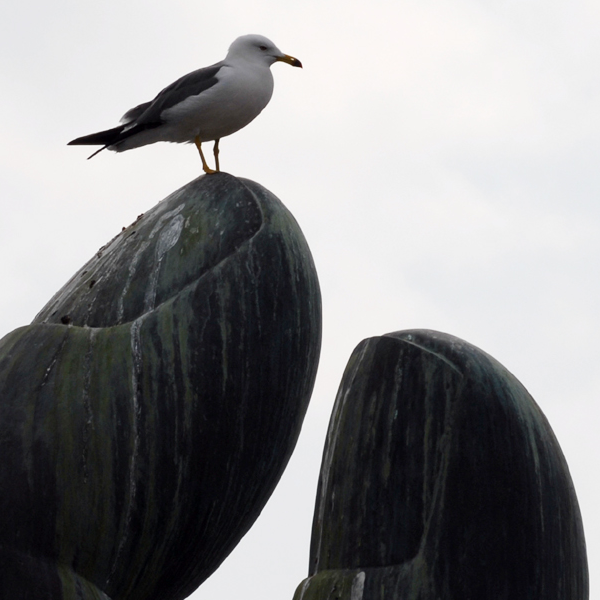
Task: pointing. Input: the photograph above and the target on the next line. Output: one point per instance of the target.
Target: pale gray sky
(441, 157)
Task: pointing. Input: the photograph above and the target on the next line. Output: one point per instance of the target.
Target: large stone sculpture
(441, 480)
(148, 412)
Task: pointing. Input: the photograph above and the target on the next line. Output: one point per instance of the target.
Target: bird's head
(258, 48)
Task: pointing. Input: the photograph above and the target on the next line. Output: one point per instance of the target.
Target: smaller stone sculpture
(441, 480)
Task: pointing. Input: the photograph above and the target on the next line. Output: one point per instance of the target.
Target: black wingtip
(102, 138)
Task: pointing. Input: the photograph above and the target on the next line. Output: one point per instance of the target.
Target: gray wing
(133, 113)
(192, 84)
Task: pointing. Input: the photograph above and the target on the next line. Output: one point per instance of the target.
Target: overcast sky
(442, 159)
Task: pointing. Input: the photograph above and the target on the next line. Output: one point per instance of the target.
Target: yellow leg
(205, 166)
(216, 153)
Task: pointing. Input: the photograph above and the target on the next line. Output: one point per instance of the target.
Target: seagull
(203, 106)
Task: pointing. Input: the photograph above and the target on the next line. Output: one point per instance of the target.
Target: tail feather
(114, 137)
(102, 138)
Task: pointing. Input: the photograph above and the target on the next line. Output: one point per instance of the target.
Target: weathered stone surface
(441, 479)
(148, 412)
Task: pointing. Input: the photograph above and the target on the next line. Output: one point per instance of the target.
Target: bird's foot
(205, 166)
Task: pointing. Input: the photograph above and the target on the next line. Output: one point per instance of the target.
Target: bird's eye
(263, 48)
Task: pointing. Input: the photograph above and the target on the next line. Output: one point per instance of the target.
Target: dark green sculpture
(441, 480)
(148, 412)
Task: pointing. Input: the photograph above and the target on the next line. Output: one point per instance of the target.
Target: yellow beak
(290, 60)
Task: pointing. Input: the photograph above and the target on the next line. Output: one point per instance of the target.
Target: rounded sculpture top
(179, 241)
